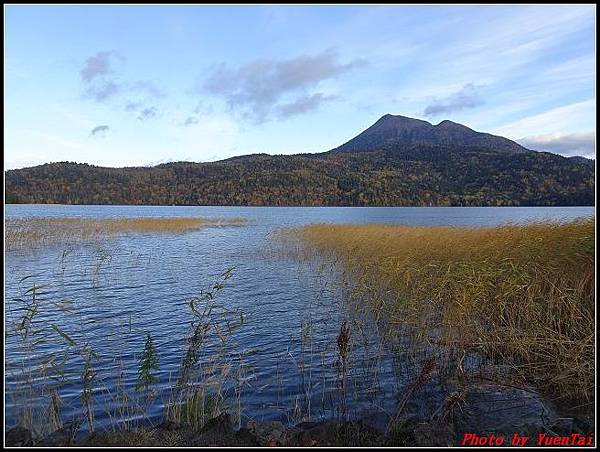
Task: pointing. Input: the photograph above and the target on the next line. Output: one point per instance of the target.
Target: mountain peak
(447, 122)
(390, 121)
(396, 131)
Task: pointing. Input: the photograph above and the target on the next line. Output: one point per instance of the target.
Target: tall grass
(212, 368)
(31, 332)
(522, 295)
(211, 377)
(22, 233)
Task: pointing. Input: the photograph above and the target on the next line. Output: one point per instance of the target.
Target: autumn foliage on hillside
(410, 176)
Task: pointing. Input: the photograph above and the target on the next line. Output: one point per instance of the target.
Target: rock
(313, 434)
(335, 433)
(491, 408)
(218, 425)
(18, 437)
(245, 438)
(59, 438)
(169, 426)
(432, 434)
(585, 424)
(269, 433)
(563, 426)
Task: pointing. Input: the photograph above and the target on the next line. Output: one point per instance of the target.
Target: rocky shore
(486, 410)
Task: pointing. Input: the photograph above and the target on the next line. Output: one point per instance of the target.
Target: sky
(142, 85)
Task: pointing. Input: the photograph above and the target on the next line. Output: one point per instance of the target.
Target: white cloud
(578, 117)
(256, 88)
(99, 130)
(466, 97)
(583, 144)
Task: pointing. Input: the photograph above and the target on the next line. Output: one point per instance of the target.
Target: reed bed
(209, 381)
(25, 233)
(521, 295)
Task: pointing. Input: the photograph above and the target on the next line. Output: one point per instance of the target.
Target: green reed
(210, 381)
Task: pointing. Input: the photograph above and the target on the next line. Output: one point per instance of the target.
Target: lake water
(281, 364)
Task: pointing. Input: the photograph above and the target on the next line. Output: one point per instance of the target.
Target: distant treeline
(409, 176)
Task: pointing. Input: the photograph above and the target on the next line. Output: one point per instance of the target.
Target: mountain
(398, 161)
(585, 161)
(396, 131)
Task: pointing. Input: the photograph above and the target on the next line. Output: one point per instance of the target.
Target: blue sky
(141, 85)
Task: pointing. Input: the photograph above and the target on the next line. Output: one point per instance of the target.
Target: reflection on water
(283, 363)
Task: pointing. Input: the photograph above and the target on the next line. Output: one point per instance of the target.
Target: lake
(280, 364)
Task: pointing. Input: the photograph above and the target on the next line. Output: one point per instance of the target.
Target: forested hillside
(398, 175)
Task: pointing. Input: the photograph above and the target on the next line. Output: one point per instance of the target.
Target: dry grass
(35, 232)
(520, 294)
